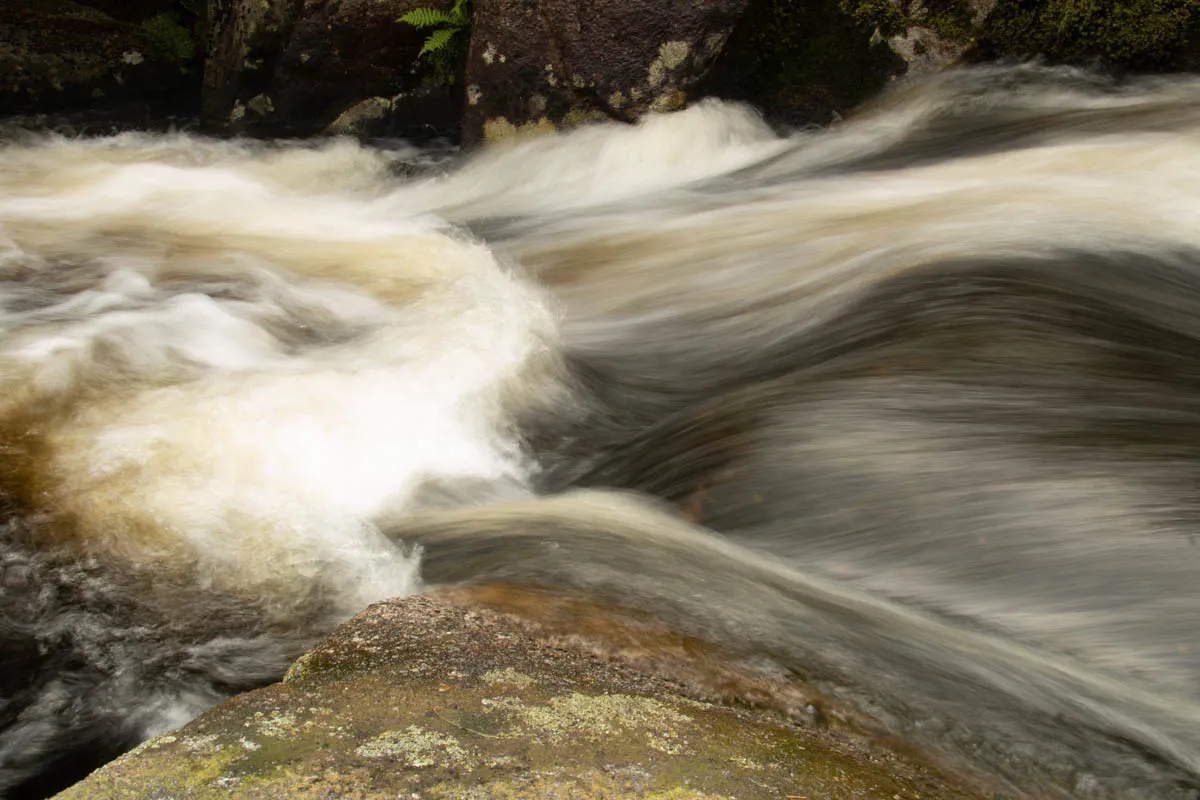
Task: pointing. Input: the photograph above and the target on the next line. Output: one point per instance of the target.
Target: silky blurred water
(921, 388)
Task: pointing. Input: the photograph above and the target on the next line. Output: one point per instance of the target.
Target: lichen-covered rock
(427, 698)
(60, 55)
(362, 118)
(535, 65)
(278, 66)
(926, 34)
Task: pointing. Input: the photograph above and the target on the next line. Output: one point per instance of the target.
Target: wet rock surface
(536, 65)
(432, 697)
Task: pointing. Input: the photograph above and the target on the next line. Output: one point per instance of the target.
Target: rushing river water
(909, 408)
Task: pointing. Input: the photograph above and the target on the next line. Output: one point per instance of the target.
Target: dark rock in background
(296, 66)
(305, 67)
(243, 38)
(59, 55)
(545, 63)
(802, 61)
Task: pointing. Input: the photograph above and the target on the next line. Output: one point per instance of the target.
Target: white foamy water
(258, 355)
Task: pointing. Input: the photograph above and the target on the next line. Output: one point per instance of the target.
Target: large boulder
(542, 64)
(299, 66)
(59, 55)
(429, 697)
(804, 61)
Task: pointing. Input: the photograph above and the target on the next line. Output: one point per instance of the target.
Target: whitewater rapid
(923, 383)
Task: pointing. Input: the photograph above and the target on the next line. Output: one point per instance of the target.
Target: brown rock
(427, 697)
(540, 63)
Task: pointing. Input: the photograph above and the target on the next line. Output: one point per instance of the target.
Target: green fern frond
(438, 40)
(427, 18)
(444, 47)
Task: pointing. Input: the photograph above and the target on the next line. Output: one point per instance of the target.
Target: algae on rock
(425, 697)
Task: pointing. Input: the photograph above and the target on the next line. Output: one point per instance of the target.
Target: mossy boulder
(927, 34)
(427, 697)
(1140, 34)
(537, 65)
(58, 55)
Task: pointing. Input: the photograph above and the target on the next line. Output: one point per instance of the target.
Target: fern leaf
(437, 40)
(460, 12)
(426, 18)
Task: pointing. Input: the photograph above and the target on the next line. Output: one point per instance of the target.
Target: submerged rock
(425, 697)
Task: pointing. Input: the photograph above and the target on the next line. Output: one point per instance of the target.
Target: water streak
(909, 408)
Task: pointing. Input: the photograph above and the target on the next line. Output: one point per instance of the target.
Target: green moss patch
(949, 19)
(1135, 33)
(170, 36)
